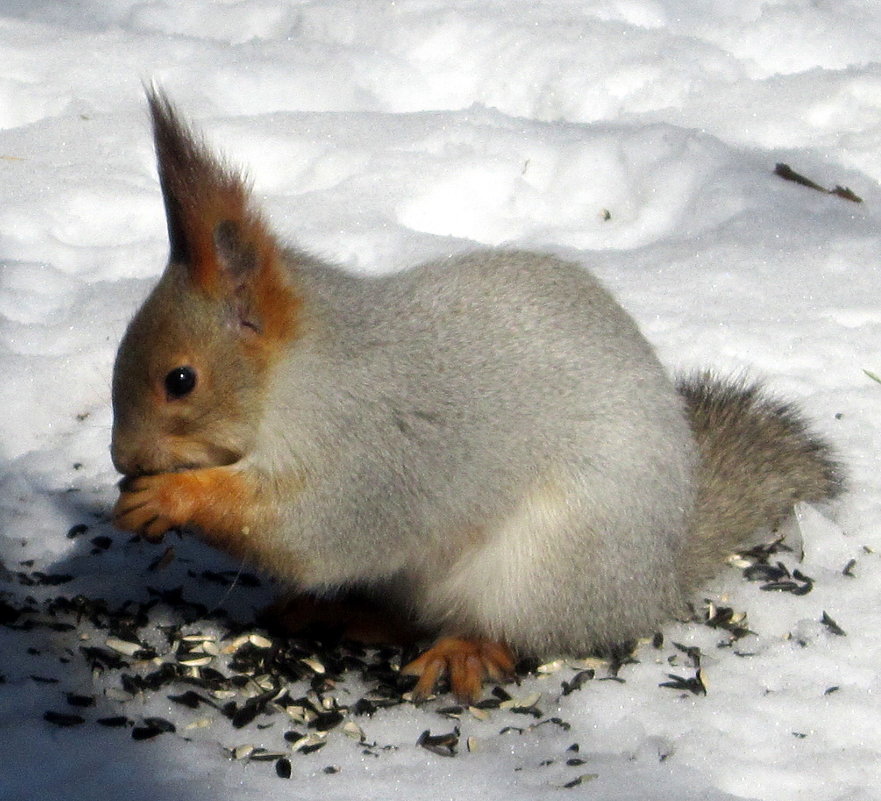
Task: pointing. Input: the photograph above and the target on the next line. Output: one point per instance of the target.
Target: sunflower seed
(63, 719)
(124, 647)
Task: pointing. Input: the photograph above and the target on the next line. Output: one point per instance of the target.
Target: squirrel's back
(507, 394)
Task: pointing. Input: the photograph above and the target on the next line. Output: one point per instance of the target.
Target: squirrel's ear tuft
(203, 197)
(214, 232)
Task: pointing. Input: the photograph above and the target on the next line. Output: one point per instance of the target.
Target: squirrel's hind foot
(466, 662)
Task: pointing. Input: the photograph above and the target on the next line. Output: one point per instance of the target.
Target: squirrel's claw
(141, 508)
(467, 663)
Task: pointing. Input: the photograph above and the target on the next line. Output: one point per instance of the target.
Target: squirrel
(485, 445)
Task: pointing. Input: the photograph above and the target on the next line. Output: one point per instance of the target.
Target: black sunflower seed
(578, 681)
(80, 700)
(76, 531)
(501, 693)
(152, 728)
(102, 658)
(283, 768)
(327, 720)
(9, 614)
(51, 579)
(160, 723)
(833, 627)
(762, 572)
(63, 719)
(190, 699)
(114, 722)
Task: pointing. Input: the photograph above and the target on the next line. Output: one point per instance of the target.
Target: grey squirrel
(485, 444)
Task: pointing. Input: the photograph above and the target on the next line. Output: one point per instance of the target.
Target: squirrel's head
(192, 368)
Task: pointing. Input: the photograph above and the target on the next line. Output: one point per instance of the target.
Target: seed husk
(124, 647)
(353, 730)
(259, 641)
(440, 744)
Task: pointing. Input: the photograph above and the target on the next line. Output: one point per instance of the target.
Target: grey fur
(491, 440)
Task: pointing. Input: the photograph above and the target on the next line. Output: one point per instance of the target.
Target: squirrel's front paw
(151, 505)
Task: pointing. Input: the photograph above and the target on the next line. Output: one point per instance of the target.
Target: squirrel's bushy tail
(758, 458)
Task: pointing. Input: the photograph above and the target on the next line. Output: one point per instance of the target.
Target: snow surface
(637, 136)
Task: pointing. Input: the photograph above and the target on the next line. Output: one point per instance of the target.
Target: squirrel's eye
(180, 382)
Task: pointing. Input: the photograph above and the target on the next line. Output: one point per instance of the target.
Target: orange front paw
(467, 663)
(151, 505)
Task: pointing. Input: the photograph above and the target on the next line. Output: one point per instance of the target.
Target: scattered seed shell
(259, 641)
(313, 664)
(201, 723)
(526, 702)
(309, 742)
(353, 730)
(124, 647)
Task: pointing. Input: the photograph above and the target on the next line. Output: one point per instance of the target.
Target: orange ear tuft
(213, 230)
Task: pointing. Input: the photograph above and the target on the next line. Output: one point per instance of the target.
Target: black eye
(180, 382)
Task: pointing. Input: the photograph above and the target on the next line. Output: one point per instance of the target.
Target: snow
(637, 136)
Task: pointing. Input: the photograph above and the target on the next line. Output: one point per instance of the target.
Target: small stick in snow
(787, 173)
